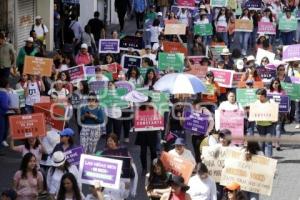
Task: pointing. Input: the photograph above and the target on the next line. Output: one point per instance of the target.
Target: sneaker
(126, 140)
(4, 143)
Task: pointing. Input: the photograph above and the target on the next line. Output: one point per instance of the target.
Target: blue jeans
(264, 131)
(224, 36)
(250, 128)
(253, 37)
(244, 39)
(287, 37)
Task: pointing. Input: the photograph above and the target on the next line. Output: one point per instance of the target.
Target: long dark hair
(226, 14)
(85, 90)
(36, 144)
(62, 191)
(128, 74)
(147, 79)
(68, 78)
(279, 85)
(252, 149)
(152, 175)
(24, 164)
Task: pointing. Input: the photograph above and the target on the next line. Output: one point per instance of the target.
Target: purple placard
(253, 4)
(291, 53)
(109, 46)
(295, 79)
(105, 170)
(125, 84)
(73, 155)
(283, 100)
(196, 122)
(266, 73)
(96, 86)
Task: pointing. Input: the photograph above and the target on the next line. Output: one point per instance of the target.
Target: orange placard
(38, 66)
(198, 70)
(174, 47)
(175, 29)
(256, 84)
(177, 165)
(26, 126)
(54, 114)
(243, 25)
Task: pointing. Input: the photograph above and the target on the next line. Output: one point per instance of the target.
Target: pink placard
(222, 76)
(148, 120)
(233, 121)
(266, 28)
(189, 3)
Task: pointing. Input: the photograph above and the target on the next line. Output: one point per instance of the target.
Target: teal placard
(21, 94)
(203, 29)
(292, 90)
(218, 3)
(112, 98)
(290, 25)
(143, 71)
(171, 61)
(246, 96)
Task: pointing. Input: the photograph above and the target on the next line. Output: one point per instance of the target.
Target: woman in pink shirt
(83, 57)
(28, 181)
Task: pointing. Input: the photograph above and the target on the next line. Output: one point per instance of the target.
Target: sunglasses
(209, 75)
(91, 99)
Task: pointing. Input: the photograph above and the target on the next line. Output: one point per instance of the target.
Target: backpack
(32, 28)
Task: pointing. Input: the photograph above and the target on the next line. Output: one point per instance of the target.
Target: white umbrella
(135, 97)
(179, 83)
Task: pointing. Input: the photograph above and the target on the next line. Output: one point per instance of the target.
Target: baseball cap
(38, 17)
(67, 132)
(84, 46)
(233, 186)
(179, 141)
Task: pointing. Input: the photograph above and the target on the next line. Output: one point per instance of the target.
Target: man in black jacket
(96, 26)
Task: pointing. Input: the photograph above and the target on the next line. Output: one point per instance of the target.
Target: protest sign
(112, 98)
(218, 3)
(253, 5)
(129, 61)
(292, 90)
(214, 159)
(159, 99)
(222, 76)
(105, 170)
(264, 111)
(21, 97)
(175, 29)
(171, 61)
(215, 50)
(125, 84)
(14, 101)
(210, 89)
(148, 120)
(198, 70)
(291, 53)
(73, 155)
(174, 47)
(242, 25)
(38, 66)
(232, 4)
(236, 79)
(126, 166)
(266, 28)
(265, 73)
(255, 175)
(96, 86)
(131, 42)
(112, 68)
(261, 53)
(188, 3)
(26, 126)
(89, 72)
(233, 121)
(109, 46)
(295, 79)
(143, 70)
(76, 73)
(195, 59)
(203, 29)
(287, 24)
(246, 96)
(54, 115)
(283, 100)
(177, 165)
(196, 122)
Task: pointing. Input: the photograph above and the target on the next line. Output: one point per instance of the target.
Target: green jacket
(22, 54)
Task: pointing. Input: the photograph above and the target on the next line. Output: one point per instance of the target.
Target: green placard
(171, 61)
(292, 90)
(216, 50)
(21, 95)
(218, 3)
(203, 29)
(210, 90)
(290, 25)
(112, 98)
(246, 96)
(159, 99)
(143, 71)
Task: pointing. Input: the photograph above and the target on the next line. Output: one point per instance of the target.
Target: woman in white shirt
(268, 17)
(221, 25)
(202, 186)
(183, 16)
(203, 20)
(69, 189)
(287, 36)
(58, 88)
(244, 36)
(133, 76)
(155, 31)
(33, 88)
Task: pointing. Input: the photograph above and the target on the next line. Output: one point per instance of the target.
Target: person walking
(40, 29)
(7, 56)
(139, 7)
(121, 8)
(97, 26)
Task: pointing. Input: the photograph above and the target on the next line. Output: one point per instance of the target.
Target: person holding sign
(133, 76)
(265, 128)
(287, 35)
(221, 24)
(66, 141)
(211, 98)
(69, 189)
(33, 88)
(244, 36)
